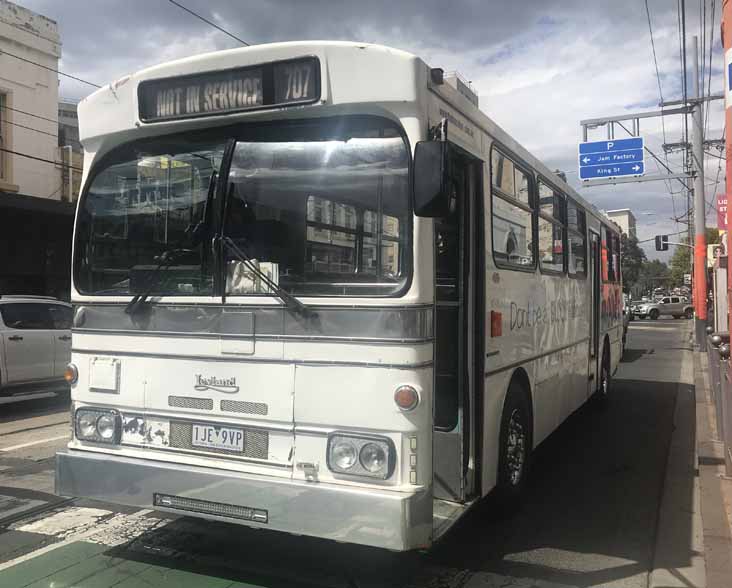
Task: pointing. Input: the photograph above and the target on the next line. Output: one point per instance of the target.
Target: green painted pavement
(88, 565)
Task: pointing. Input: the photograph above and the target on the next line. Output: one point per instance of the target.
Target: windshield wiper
(288, 299)
(166, 259)
(194, 233)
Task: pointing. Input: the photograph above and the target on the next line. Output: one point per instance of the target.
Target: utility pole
(727, 44)
(700, 239)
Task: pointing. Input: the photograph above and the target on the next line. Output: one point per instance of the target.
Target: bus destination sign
(234, 90)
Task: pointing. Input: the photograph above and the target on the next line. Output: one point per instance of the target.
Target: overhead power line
(29, 114)
(660, 92)
(3, 52)
(709, 70)
(61, 163)
(208, 22)
(8, 122)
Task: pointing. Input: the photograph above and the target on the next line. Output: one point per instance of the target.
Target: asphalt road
(589, 518)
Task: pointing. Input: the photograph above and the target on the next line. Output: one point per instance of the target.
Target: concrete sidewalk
(693, 525)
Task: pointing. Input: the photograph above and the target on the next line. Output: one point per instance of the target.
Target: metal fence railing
(720, 372)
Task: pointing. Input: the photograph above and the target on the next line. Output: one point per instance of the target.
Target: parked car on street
(675, 306)
(35, 344)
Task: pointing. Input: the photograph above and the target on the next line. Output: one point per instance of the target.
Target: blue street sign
(628, 156)
(614, 170)
(611, 145)
(612, 158)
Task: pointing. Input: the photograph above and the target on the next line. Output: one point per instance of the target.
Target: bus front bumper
(380, 518)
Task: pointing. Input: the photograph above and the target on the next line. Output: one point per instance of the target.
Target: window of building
(576, 240)
(551, 229)
(512, 218)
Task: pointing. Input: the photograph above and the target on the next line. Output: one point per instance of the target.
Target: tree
(652, 275)
(681, 260)
(680, 263)
(631, 261)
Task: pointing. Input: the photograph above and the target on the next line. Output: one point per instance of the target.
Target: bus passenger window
(512, 216)
(551, 229)
(576, 240)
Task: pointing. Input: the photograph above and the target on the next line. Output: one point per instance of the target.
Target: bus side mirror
(431, 196)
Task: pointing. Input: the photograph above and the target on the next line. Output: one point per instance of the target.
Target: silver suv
(35, 344)
(675, 306)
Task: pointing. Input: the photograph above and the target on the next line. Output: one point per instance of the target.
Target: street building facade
(624, 218)
(70, 152)
(36, 216)
(28, 102)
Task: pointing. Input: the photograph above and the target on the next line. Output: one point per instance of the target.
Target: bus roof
(353, 73)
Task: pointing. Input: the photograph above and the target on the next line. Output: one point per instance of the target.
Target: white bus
(317, 290)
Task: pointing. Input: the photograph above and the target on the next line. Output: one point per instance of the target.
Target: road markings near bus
(87, 524)
(32, 443)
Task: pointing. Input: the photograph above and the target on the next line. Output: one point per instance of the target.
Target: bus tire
(515, 442)
(653, 315)
(602, 394)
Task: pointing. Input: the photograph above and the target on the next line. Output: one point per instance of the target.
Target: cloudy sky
(539, 66)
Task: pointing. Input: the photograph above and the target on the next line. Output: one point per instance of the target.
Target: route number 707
(298, 81)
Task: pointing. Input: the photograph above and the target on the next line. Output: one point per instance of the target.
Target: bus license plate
(213, 437)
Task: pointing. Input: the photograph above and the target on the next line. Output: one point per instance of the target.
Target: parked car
(675, 306)
(35, 344)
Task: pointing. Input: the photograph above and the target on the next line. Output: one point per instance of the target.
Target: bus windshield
(321, 208)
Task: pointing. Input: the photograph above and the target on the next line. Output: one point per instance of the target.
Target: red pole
(727, 44)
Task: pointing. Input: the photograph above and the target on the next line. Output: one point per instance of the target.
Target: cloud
(539, 66)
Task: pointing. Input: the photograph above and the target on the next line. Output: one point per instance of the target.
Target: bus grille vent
(190, 402)
(245, 407)
(256, 443)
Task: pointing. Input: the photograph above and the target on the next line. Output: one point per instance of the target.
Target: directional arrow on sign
(586, 159)
(635, 168)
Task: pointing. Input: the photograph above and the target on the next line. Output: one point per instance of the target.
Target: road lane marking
(28, 429)
(106, 527)
(32, 443)
(66, 521)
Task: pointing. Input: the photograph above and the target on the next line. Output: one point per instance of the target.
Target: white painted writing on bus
(557, 311)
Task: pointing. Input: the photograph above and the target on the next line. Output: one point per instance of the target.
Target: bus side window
(551, 229)
(512, 213)
(576, 240)
(606, 258)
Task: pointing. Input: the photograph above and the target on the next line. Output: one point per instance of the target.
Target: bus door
(459, 330)
(596, 306)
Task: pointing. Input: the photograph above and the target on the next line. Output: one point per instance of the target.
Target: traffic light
(661, 242)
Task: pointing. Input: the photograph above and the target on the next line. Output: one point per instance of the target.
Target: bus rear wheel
(514, 446)
(602, 394)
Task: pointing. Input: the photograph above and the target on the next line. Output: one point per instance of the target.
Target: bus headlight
(344, 454)
(98, 425)
(106, 426)
(371, 457)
